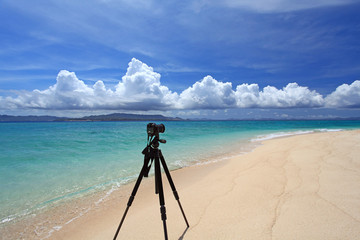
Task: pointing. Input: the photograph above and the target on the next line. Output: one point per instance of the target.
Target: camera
(154, 129)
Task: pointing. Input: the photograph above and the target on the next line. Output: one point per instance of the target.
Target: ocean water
(45, 163)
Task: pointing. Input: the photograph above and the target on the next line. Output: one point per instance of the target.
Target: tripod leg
(131, 199)
(172, 185)
(160, 189)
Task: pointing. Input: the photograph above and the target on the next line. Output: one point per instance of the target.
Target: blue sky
(193, 59)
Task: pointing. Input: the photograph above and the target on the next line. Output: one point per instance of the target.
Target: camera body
(154, 129)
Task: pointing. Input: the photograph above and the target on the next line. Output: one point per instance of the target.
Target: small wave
(16, 216)
(108, 193)
(327, 130)
(7, 219)
(260, 138)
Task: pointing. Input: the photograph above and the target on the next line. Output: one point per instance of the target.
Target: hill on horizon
(107, 117)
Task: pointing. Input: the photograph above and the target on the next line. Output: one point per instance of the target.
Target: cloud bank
(141, 89)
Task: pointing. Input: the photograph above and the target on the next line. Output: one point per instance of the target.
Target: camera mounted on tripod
(153, 130)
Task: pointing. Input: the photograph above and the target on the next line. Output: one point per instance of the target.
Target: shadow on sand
(182, 235)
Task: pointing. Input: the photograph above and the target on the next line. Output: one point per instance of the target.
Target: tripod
(153, 153)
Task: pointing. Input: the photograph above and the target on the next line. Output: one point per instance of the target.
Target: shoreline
(104, 217)
(43, 222)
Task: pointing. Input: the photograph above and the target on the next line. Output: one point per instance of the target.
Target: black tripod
(153, 153)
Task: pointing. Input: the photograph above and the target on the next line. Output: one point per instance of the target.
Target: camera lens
(161, 128)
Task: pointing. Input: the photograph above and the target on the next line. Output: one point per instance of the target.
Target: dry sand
(300, 187)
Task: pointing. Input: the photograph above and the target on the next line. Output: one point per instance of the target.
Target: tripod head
(155, 142)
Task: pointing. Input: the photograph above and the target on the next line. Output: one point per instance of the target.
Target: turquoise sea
(45, 163)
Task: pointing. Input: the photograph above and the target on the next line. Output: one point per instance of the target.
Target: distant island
(140, 117)
(93, 118)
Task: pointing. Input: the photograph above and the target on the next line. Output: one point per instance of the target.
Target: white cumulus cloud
(292, 95)
(140, 89)
(208, 93)
(68, 93)
(142, 84)
(347, 96)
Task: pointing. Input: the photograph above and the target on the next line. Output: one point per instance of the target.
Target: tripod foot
(182, 211)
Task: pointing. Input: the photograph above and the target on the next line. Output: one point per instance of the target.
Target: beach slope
(300, 187)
